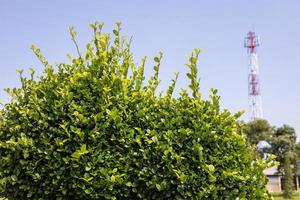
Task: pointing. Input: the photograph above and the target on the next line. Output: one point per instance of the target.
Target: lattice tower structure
(255, 105)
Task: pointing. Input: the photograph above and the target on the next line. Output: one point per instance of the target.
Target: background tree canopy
(93, 129)
(281, 142)
(257, 130)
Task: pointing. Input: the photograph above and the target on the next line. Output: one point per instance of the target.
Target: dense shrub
(93, 129)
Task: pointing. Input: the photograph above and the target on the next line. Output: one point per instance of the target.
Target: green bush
(94, 129)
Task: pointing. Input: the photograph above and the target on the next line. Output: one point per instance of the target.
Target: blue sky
(175, 28)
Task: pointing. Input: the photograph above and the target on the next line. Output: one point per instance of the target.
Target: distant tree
(284, 146)
(282, 142)
(297, 159)
(257, 131)
(288, 176)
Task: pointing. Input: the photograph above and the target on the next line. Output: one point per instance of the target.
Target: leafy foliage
(93, 129)
(288, 177)
(283, 142)
(257, 130)
(297, 159)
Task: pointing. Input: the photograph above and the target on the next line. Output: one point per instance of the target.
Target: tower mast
(255, 107)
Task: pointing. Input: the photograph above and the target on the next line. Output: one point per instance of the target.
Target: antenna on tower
(253, 27)
(251, 42)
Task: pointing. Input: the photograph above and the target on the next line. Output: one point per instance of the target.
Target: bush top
(93, 129)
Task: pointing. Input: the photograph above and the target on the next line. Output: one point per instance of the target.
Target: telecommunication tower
(255, 108)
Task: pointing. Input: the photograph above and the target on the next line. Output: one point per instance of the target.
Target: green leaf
(116, 32)
(77, 154)
(211, 168)
(19, 71)
(156, 59)
(113, 178)
(158, 187)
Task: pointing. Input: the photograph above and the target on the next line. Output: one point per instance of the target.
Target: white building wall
(274, 184)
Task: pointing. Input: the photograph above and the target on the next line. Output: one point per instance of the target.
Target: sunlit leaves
(192, 75)
(80, 152)
(93, 129)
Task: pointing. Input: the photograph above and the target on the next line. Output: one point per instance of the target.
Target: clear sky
(174, 27)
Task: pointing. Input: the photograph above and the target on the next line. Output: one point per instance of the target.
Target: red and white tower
(255, 107)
